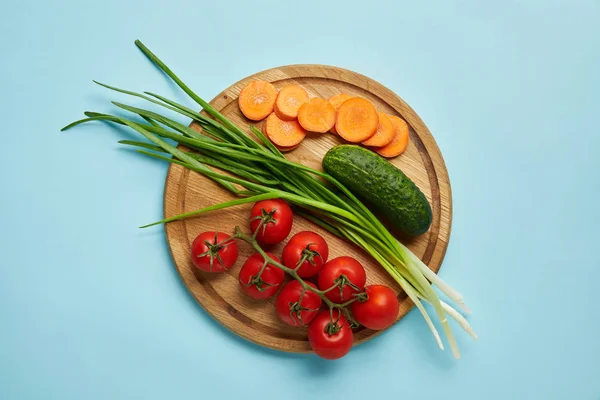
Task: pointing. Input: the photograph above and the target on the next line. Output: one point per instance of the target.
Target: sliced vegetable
(336, 101)
(317, 115)
(287, 149)
(384, 133)
(382, 184)
(283, 133)
(400, 140)
(257, 99)
(356, 120)
(289, 100)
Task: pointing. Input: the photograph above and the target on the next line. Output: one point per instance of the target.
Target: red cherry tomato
(265, 285)
(212, 252)
(345, 271)
(309, 246)
(330, 339)
(379, 311)
(275, 219)
(291, 309)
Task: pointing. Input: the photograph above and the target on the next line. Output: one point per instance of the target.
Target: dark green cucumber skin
(375, 180)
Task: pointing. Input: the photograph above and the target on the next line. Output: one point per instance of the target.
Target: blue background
(91, 307)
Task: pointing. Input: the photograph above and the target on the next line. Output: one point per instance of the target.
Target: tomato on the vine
(296, 306)
(309, 248)
(330, 339)
(260, 285)
(273, 219)
(379, 310)
(347, 273)
(214, 252)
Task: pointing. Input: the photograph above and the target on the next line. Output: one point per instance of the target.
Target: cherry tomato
(291, 309)
(212, 252)
(265, 285)
(309, 246)
(379, 311)
(345, 271)
(275, 219)
(330, 339)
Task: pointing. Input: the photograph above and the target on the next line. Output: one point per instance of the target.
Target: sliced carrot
(384, 133)
(264, 128)
(399, 142)
(283, 149)
(257, 99)
(336, 101)
(317, 115)
(357, 120)
(288, 102)
(286, 149)
(283, 133)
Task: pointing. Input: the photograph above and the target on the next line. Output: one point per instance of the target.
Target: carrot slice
(288, 102)
(284, 133)
(317, 115)
(257, 99)
(357, 120)
(283, 149)
(336, 101)
(384, 133)
(399, 142)
(286, 149)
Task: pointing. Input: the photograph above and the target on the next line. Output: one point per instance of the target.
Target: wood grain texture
(185, 191)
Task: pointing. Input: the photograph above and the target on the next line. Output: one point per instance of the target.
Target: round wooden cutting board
(185, 191)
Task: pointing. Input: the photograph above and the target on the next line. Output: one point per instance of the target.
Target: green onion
(257, 166)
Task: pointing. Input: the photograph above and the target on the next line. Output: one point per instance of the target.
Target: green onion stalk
(256, 170)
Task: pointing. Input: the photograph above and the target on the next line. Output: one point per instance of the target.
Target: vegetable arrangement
(290, 114)
(256, 171)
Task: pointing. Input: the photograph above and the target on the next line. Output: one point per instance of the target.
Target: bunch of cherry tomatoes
(337, 284)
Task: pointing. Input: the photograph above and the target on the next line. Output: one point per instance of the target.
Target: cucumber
(378, 182)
